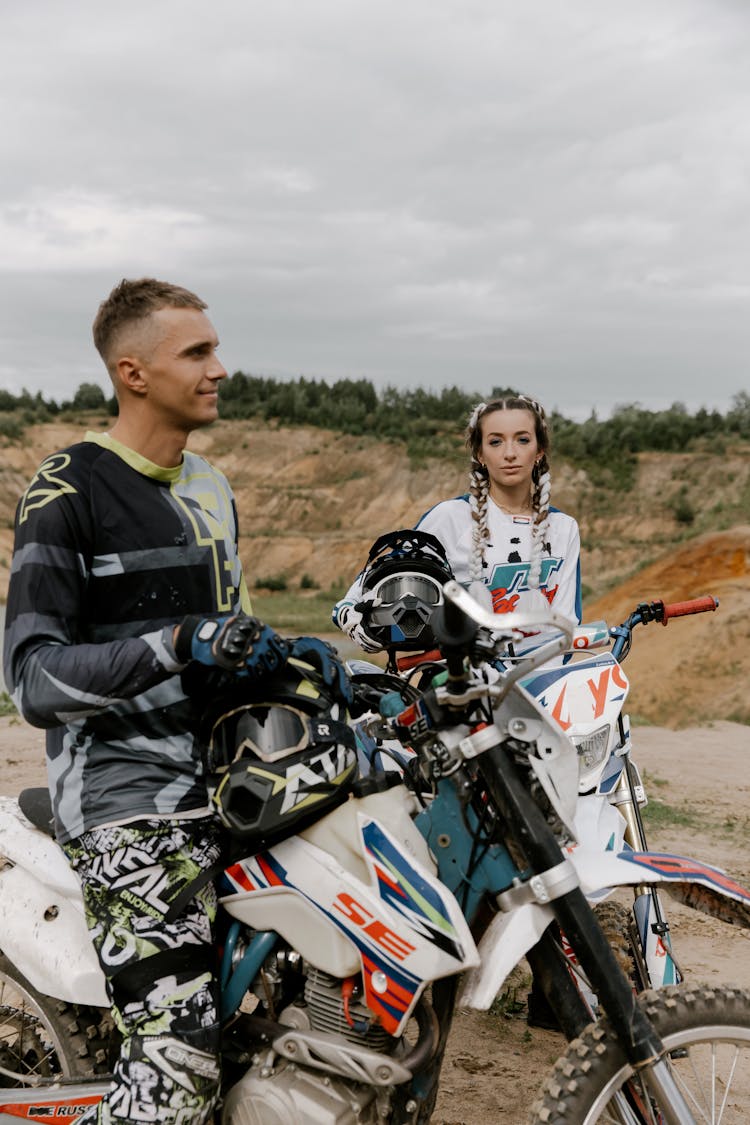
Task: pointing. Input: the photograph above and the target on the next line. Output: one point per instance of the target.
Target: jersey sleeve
(54, 675)
(350, 598)
(568, 595)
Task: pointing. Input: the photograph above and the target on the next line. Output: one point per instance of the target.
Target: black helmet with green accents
(280, 758)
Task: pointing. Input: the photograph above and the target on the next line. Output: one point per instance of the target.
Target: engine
(332, 1067)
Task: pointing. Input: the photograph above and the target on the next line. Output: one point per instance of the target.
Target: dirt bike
(346, 946)
(586, 696)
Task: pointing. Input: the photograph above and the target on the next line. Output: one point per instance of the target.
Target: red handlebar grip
(404, 663)
(695, 605)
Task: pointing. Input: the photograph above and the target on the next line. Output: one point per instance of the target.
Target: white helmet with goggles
(402, 586)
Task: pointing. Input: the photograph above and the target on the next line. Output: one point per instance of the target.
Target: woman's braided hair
(479, 486)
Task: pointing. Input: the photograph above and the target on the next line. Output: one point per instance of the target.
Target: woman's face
(509, 447)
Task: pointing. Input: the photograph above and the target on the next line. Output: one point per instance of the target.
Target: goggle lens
(271, 731)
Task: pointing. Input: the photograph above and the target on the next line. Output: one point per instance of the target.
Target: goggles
(405, 600)
(396, 587)
(271, 731)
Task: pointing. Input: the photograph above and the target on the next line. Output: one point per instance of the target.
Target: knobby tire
(706, 1032)
(49, 1038)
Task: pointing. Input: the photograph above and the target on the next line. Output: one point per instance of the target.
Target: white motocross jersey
(506, 557)
(507, 553)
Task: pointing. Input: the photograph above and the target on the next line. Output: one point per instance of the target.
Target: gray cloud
(460, 191)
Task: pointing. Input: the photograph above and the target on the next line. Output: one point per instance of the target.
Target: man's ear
(129, 372)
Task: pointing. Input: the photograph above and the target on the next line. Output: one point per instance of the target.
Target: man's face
(180, 368)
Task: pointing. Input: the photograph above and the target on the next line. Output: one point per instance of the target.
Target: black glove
(325, 658)
(237, 642)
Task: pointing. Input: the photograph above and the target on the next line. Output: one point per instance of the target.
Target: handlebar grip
(696, 605)
(454, 631)
(404, 663)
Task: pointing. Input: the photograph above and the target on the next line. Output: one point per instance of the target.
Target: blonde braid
(540, 506)
(479, 488)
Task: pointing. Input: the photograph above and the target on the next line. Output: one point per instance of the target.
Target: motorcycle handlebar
(405, 663)
(705, 604)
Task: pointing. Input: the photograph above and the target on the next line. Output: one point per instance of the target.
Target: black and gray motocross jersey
(110, 552)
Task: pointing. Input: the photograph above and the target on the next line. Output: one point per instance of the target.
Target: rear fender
(42, 922)
(46, 937)
(28, 847)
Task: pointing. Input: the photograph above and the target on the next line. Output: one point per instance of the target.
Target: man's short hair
(131, 301)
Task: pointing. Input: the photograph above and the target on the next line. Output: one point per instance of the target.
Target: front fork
(653, 946)
(554, 877)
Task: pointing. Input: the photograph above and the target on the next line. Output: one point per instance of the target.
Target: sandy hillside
(698, 666)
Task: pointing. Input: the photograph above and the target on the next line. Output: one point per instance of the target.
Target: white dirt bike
(585, 695)
(346, 946)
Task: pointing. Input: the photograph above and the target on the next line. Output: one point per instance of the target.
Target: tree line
(428, 422)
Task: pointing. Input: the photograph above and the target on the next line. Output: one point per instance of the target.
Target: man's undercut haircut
(133, 301)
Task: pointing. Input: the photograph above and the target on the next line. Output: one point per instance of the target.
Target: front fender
(511, 934)
(705, 888)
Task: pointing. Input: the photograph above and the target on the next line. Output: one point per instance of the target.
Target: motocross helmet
(403, 578)
(280, 758)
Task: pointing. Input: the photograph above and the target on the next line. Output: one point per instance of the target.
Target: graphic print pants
(160, 973)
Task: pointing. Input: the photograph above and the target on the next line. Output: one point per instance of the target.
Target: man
(126, 595)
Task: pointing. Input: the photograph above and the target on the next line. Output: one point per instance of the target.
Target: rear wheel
(617, 925)
(45, 1038)
(706, 1032)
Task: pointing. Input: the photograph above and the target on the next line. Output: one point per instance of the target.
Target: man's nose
(216, 369)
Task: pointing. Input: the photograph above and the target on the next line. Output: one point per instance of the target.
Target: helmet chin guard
(403, 580)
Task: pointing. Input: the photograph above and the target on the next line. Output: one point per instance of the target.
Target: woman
(503, 535)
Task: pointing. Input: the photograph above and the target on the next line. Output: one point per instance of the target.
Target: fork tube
(625, 799)
(526, 821)
(549, 966)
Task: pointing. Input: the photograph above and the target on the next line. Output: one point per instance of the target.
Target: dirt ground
(700, 780)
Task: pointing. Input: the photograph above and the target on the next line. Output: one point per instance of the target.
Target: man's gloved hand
(349, 620)
(325, 658)
(237, 642)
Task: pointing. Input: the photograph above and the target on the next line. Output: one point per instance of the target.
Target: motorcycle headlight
(592, 748)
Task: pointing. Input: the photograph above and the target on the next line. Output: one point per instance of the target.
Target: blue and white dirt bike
(586, 697)
(585, 694)
(348, 941)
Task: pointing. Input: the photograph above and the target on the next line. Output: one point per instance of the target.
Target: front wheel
(706, 1032)
(42, 1038)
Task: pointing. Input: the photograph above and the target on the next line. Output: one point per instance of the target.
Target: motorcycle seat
(36, 806)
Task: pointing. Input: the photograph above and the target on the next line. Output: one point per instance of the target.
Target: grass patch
(650, 780)
(7, 706)
(658, 814)
(294, 612)
(509, 1003)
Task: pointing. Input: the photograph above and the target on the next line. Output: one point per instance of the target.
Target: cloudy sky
(546, 194)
